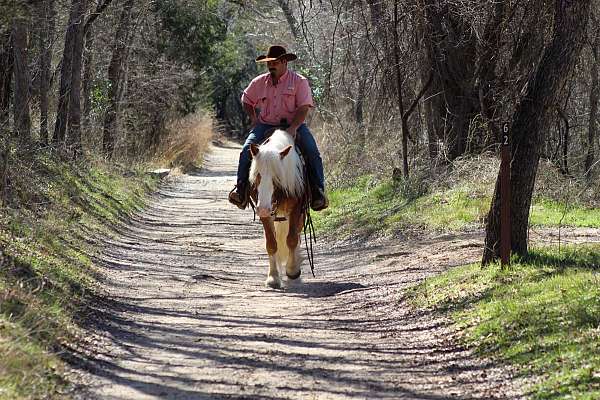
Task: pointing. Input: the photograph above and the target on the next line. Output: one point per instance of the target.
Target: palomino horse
(278, 189)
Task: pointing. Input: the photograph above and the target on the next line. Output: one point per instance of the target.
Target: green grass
(368, 207)
(385, 207)
(541, 314)
(52, 209)
(545, 212)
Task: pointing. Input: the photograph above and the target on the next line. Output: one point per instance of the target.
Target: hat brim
(287, 57)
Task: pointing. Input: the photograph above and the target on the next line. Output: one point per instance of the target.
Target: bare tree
(21, 97)
(289, 16)
(115, 70)
(486, 80)
(592, 132)
(88, 61)
(404, 114)
(46, 41)
(450, 54)
(6, 73)
(74, 117)
(64, 91)
(530, 123)
(88, 69)
(564, 131)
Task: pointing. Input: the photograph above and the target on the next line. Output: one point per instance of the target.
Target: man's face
(277, 67)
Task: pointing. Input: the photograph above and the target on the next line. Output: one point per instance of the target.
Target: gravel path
(189, 316)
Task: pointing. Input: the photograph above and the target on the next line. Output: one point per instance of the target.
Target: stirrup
(237, 199)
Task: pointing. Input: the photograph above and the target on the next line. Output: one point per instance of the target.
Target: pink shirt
(278, 101)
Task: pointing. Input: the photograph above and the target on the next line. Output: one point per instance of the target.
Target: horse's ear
(253, 150)
(285, 151)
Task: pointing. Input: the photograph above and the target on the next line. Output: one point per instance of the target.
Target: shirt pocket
(289, 101)
(262, 102)
(263, 106)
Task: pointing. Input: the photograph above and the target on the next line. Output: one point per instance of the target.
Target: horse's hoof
(294, 276)
(295, 283)
(274, 283)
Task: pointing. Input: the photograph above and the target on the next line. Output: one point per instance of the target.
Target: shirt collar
(282, 78)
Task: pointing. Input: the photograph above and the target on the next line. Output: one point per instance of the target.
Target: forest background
(406, 92)
(403, 89)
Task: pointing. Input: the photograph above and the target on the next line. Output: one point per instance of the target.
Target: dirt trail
(190, 317)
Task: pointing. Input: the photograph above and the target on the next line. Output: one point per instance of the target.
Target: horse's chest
(282, 203)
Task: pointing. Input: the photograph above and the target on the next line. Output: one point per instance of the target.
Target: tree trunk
(400, 97)
(565, 136)
(6, 73)
(426, 74)
(88, 61)
(88, 68)
(74, 117)
(593, 120)
(433, 119)
(62, 112)
(114, 76)
(376, 11)
(529, 124)
(449, 52)
(21, 100)
(487, 50)
(48, 17)
(359, 105)
(291, 20)
(94, 15)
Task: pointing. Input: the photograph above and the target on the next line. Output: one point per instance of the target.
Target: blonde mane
(286, 173)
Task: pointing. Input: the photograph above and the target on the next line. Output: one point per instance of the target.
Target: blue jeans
(304, 140)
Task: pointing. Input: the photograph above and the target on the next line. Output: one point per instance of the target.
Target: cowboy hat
(276, 53)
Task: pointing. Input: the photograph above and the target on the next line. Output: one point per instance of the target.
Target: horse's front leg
(292, 267)
(273, 279)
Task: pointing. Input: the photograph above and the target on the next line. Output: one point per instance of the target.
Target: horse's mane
(287, 174)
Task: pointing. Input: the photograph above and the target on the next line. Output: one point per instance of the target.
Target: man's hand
(292, 131)
(251, 112)
(298, 120)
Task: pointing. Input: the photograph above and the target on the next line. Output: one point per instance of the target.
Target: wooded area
(402, 88)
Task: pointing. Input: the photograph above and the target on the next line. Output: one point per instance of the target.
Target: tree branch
(419, 95)
(99, 9)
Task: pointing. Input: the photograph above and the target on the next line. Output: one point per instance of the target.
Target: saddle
(241, 200)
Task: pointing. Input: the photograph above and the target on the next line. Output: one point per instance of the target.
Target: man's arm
(299, 117)
(251, 111)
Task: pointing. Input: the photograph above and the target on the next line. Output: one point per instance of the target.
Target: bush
(186, 142)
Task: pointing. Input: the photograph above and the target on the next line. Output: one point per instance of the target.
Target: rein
(308, 223)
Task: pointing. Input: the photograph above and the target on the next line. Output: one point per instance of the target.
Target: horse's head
(268, 167)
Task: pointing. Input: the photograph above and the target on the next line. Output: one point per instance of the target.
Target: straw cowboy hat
(276, 53)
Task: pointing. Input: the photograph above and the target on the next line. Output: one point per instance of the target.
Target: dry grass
(347, 159)
(187, 142)
(350, 152)
(478, 174)
(555, 185)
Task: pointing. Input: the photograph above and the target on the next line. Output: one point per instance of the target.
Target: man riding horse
(284, 99)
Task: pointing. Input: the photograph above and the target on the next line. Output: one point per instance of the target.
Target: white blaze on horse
(278, 189)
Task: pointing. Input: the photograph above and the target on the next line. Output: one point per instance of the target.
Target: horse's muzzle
(264, 212)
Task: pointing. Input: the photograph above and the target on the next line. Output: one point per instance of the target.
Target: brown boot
(319, 200)
(239, 196)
